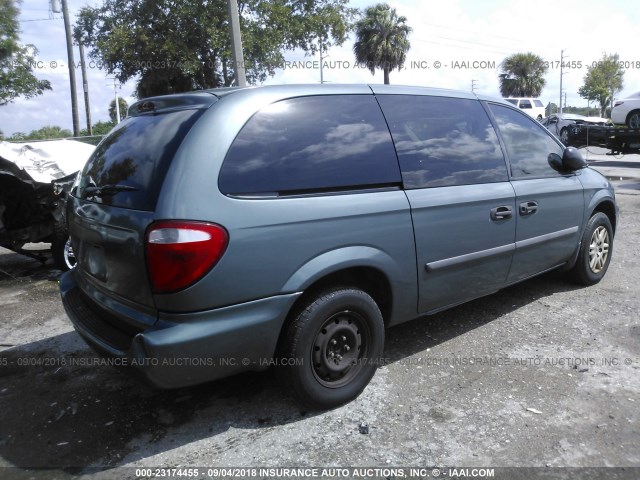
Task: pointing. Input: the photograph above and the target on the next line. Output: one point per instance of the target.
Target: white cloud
(467, 31)
(448, 32)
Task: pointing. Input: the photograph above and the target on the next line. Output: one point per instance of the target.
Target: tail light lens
(179, 253)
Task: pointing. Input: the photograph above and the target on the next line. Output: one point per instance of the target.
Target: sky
(454, 43)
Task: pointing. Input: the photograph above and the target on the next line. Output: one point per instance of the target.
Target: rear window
(538, 103)
(311, 144)
(134, 158)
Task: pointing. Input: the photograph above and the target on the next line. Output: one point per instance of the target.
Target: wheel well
(368, 279)
(610, 211)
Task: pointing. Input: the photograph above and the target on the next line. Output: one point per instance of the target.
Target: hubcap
(598, 249)
(634, 121)
(69, 257)
(338, 347)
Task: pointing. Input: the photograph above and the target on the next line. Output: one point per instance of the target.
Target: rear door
(462, 204)
(549, 203)
(115, 200)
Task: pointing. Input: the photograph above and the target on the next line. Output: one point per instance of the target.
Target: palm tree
(523, 75)
(381, 39)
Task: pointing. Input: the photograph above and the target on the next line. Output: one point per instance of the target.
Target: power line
(39, 19)
(476, 48)
(482, 34)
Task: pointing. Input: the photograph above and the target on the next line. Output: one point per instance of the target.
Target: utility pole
(236, 43)
(321, 62)
(85, 87)
(72, 72)
(115, 91)
(561, 74)
(474, 85)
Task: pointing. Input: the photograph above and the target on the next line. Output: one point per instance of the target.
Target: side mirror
(572, 159)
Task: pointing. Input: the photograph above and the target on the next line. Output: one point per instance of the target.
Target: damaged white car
(559, 124)
(34, 180)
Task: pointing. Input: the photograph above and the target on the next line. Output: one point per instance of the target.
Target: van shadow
(75, 415)
(427, 332)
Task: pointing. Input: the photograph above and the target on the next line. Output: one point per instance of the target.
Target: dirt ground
(542, 374)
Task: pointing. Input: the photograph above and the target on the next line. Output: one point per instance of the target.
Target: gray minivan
(237, 229)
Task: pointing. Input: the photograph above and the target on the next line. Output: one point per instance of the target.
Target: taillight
(179, 253)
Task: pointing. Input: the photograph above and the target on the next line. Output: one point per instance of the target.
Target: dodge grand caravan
(235, 229)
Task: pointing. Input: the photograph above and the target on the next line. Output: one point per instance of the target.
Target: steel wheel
(336, 338)
(598, 249)
(338, 348)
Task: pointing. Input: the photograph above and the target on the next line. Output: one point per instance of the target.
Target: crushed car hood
(597, 120)
(34, 177)
(45, 161)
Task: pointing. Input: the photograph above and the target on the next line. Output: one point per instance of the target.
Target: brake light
(179, 253)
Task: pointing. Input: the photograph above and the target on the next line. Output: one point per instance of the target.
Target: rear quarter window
(137, 154)
(309, 144)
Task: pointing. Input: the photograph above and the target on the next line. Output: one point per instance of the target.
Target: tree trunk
(386, 75)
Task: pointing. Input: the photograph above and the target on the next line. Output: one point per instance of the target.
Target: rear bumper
(182, 349)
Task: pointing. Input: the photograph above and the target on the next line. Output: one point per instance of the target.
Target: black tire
(61, 250)
(595, 253)
(330, 348)
(633, 119)
(58, 242)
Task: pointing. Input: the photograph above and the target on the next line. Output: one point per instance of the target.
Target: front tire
(331, 347)
(596, 248)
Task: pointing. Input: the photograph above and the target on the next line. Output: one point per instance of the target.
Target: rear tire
(596, 248)
(329, 350)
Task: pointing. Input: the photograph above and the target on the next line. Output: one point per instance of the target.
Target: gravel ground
(542, 374)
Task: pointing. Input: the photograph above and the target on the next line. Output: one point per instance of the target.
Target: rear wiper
(107, 190)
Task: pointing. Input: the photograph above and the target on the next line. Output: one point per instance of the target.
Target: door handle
(528, 208)
(501, 213)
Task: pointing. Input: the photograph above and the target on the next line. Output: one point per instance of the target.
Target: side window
(443, 141)
(311, 143)
(538, 103)
(525, 104)
(528, 144)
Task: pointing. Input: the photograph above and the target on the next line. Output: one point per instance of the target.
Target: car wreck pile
(34, 179)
